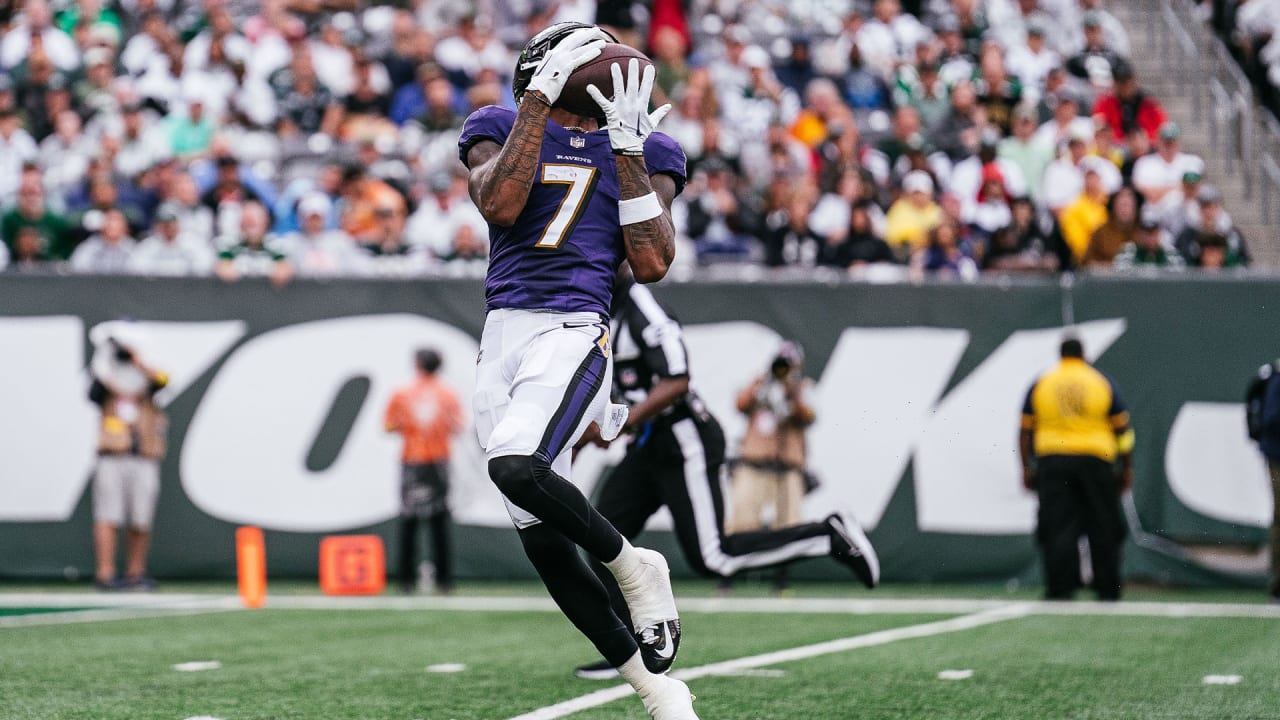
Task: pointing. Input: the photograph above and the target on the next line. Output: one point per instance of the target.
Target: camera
(788, 359)
(780, 367)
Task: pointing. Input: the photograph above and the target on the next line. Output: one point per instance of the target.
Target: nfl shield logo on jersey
(578, 141)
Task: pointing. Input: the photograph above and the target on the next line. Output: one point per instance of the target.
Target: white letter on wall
(244, 460)
(967, 474)
(1214, 468)
(876, 395)
(48, 426)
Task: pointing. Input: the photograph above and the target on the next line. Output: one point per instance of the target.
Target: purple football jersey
(564, 250)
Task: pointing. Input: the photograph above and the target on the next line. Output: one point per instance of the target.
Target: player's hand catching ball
(579, 47)
(627, 116)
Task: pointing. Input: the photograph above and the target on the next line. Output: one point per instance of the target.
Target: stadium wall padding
(276, 414)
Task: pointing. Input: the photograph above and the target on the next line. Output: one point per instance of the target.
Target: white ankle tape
(645, 207)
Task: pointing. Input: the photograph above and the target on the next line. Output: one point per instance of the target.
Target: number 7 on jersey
(582, 182)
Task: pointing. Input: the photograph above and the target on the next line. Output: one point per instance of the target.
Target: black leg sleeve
(530, 483)
(580, 595)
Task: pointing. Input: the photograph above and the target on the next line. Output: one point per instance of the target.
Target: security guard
(1074, 428)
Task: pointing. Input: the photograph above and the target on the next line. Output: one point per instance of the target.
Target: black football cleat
(850, 546)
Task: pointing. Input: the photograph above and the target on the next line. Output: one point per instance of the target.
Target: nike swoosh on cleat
(665, 649)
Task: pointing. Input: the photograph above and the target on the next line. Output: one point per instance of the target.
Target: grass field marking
(99, 599)
(447, 668)
(1159, 609)
(804, 652)
(109, 614)
(834, 606)
(198, 666)
(504, 603)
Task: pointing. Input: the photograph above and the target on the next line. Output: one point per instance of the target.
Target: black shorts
(424, 490)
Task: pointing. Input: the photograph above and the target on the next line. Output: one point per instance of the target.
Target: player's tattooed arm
(650, 244)
(502, 175)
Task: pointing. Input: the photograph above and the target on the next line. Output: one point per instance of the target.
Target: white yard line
(882, 637)
(88, 616)
(112, 606)
(117, 600)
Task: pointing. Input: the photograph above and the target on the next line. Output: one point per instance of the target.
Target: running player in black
(674, 457)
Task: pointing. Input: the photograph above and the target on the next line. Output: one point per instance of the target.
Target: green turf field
(1027, 660)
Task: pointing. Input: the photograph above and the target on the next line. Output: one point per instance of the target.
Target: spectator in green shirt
(91, 11)
(191, 132)
(31, 212)
(1148, 248)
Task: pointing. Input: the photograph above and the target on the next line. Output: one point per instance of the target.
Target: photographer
(771, 463)
(131, 442)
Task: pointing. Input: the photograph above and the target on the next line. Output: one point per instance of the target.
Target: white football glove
(571, 53)
(627, 116)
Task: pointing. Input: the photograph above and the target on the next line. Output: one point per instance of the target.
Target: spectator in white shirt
(1032, 61)
(108, 251)
(889, 36)
(1066, 119)
(1064, 178)
(447, 223)
(65, 154)
(170, 252)
(37, 20)
(220, 31)
(194, 218)
(142, 143)
(17, 148)
(146, 47)
(730, 76)
(316, 252)
(473, 50)
(1160, 173)
(1113, 32)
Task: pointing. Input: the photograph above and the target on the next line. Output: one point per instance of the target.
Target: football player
(567, 198)
(674, 457)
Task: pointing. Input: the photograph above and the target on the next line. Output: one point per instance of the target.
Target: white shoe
(667, 698)
(653, 610)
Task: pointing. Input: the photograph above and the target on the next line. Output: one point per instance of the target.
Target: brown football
(574, 97)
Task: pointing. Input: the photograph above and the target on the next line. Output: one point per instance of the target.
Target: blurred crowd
(1249, 28)
(318, 137)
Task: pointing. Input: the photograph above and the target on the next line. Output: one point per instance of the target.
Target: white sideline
(111, 606)
(882, 637)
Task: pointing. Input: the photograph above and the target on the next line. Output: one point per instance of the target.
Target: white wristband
(635, 210)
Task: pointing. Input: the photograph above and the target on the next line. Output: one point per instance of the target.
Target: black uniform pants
(677, 463)
(1079, 495)
(424, 491)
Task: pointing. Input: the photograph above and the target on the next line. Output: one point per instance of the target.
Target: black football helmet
(535, 51)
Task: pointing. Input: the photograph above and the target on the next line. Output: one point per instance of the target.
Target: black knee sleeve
(530, 483)
(514, 477)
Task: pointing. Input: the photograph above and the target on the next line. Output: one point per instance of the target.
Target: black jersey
(648, 346)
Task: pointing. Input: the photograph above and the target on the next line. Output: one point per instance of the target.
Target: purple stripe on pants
(584, 386)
